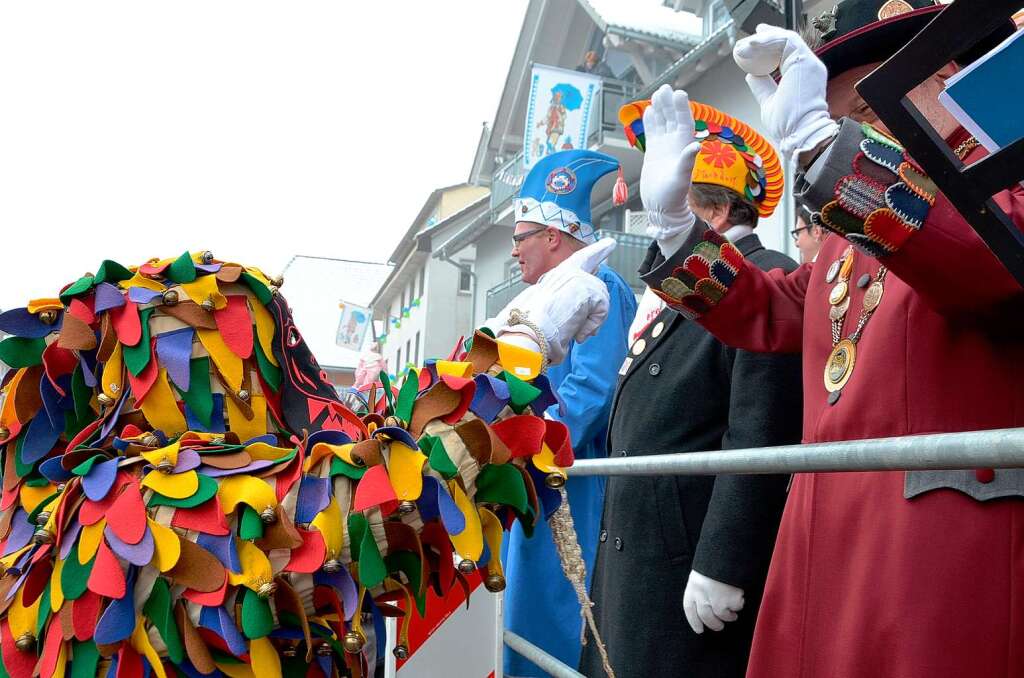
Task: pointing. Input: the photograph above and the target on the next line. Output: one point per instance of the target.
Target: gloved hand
(668, 162)
(568, 302)
(793, 111)
(710, 603)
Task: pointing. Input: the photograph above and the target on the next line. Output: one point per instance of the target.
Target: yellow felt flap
(139, 280)
(31, 497)
(8, 414)
(247, 429)
(493, 533)
(173, 485)
(166, 546)
(89, 540)
(263, 451)
(544, 461)
(329, 522)
(56, 590)
(470, 542)
(49, 304)
(140, 641)
(343, 452)
(266, 663)
(161, 407)
(521, 362)
(454, 369)
(405, 471)
(113, 374)
(204, 287)
(229, 364)
(169, 453)
(256, 568)
(245, 489)
(264, 329)
(22, 619)
(11, 558)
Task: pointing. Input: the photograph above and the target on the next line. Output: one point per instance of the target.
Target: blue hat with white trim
(556, 192)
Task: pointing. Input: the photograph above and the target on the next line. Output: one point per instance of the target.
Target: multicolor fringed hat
(184, 493)
(732, 154)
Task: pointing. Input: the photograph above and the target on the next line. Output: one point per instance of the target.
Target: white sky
(255, 129)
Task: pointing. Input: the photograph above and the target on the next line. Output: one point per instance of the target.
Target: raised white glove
(794, 111)
(668, 163)
(568, 302)
(710, 603)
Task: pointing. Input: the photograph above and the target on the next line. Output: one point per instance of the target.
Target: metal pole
(794, 8)
(999, 448)
(539, 657)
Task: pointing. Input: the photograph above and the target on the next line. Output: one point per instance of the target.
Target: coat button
(604, 536)
(618, 543)
(622, 453)
(654, 369)
(985, 475)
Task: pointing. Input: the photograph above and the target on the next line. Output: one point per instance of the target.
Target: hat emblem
(561, 181)
(894, 8)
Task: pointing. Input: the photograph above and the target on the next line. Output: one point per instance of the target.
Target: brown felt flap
(368, 451)
(231, 460)
(197, 569)
(531, 491)
(5, 521)
(483, 354)
(195, 648)
(108, 339)
(191, 314)
(483, 445)
(76, 335)
(280, 534)
(243, 405)
(6, 584)
(389, 610)
(11, 479)
(27, 400)
(287, 600)
(108, 651)
(75, 457)
(437, 402)
(67, 626)
(229, 273)
(402, 537)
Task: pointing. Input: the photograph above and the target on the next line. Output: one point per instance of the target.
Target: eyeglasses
(520, 237)
(796, 231)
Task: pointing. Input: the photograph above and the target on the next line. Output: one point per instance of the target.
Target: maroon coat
(865, 582)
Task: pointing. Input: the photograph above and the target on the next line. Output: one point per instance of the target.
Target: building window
(408, 353)
(417, 361)
(423, 279)
(398, 361)
(465, 277)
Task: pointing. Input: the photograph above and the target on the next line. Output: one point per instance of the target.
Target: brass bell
(268, 515)
(208, 305)
(554, 480)
(48, 317)
(42, 517)
(207, 257)
(104, 400)
(289, 651)
(272, 289)
(243, 395)
(494, 583)
(393, 421)
(357, 460)
(407, 507)
(401, 652)
(278, 281)
(266, 589)
(353, 642)
(4, 433)
(165, 466)
(324, 649)
(25, 642)
(467, 566)
(114, 388)
(149, 440)
(60, 487)
(171, 297)
(332, 566)
(42, 536)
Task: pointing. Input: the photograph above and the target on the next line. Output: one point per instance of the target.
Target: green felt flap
(257, 619)
(409, 564)
(342, 468)
(18, 352)
(183, 270)
(112, 272)
(74, 575)
(250, 527)
(270, 373)
(138, 356)
(207, 489)
(521, 393)
(437, 456)
(258, 288)
(407, 397)
(364, 550)
(45, 609)
(159, 609)
(199, 396)
(80, 286)
(85, 659)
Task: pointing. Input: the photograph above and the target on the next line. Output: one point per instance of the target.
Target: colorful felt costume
(185, 494)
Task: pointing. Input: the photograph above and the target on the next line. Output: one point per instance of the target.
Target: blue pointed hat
(556, 192)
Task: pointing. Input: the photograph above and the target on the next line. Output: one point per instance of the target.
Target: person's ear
(721, 215)
(554, 238)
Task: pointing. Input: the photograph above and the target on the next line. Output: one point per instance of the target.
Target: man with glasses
(807, 235)
(552, 222)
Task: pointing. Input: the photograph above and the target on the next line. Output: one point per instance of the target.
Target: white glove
(668, 163)
(568, 302)
(710, 603)
(793, 111)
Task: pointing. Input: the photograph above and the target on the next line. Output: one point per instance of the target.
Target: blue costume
(540, 603)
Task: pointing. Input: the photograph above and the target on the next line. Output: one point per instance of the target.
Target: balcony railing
(508, 177)
(625, 259)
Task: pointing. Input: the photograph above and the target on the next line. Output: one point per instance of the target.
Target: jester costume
(185, 494)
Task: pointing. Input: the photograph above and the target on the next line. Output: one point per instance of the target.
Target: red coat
(864, 582)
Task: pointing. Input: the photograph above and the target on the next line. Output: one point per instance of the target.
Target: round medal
(656, 332)
(838, 293)
(833, 271)
(873, 296)
(838, 311)
(638, 346)
(839, 365)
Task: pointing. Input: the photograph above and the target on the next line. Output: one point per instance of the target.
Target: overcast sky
(258, 130)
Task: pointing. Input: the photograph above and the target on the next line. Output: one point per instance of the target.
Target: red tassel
(620, 194)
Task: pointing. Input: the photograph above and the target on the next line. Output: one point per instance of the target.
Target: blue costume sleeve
(587, 387)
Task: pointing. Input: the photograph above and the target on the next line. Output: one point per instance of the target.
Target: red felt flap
(85, 612)
(82, 311)
(210, 599)
(87, 432)
(93, 511)
(466, 388)
(129, 663)
(51, 648)
(142, 384)
(57, 362)
(309, 557)
(235, 325)
(558, 440)
(18, 664)
(127, 516)
(374, 489)
(207, 518)
(126, 323)
(36, 581)
(522, 434)
(107, 577)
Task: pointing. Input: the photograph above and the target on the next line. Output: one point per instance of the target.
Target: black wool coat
(686, 392)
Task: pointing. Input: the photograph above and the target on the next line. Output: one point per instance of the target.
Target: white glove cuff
(813, 130)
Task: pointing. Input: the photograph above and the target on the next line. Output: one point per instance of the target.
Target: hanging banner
(353, 325)
(558, 113)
